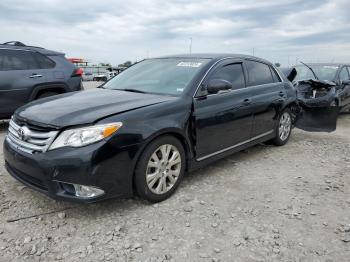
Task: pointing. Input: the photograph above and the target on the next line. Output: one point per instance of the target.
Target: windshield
(323, 72)
(160, 76)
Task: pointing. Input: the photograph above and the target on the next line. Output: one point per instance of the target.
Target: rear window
(23, 60)
(43, 61)
(258, 73)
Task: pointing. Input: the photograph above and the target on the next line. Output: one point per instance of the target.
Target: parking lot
(267, 203)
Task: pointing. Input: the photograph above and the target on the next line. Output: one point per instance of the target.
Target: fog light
(87, 191)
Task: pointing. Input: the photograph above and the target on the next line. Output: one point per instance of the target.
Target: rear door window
(258, 73)
(232, 73)
(17, 60)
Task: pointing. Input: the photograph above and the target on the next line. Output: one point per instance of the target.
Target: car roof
(30, 48)
(215, 56)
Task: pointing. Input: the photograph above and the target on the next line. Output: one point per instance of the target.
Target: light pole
(190, 45)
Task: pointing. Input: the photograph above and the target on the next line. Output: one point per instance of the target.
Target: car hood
(84, 107)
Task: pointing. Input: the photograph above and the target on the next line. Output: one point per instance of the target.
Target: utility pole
(253, 51)
(190, 45)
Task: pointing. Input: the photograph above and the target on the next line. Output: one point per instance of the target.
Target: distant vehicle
(104, 76)
(101, 77)
(323, 90)
(142, 130)
(28, 73)
(88, 76)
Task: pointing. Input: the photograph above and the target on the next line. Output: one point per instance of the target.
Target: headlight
(79, 137)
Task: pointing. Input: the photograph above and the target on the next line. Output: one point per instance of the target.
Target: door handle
(35, 76)
(282, 94)
(247, 101)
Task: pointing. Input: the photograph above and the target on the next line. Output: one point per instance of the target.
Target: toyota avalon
(142, 130)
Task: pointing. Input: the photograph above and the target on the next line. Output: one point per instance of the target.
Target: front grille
(28, 140)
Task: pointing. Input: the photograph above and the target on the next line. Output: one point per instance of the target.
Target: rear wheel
(283, 129)
(160, 169)
(46, 94)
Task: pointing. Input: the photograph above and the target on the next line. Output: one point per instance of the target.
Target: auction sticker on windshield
(189, 64)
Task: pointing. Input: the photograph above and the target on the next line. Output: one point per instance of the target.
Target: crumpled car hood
(318, 112)
(316, 93)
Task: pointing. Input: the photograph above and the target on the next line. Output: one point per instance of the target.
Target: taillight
(78, 72)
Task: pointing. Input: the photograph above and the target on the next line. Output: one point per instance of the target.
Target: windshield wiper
(311, 70)
(132, 90)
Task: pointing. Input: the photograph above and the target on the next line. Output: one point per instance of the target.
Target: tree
(125, 64)
(105, 64)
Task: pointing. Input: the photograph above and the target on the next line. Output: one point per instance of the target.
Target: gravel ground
(267, 203)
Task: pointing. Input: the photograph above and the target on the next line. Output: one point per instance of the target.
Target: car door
(267, 94)
(19, 73)
(223, 120)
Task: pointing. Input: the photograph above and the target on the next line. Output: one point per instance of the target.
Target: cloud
(115, 31)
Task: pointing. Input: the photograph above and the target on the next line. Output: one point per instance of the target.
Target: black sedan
(141, 131)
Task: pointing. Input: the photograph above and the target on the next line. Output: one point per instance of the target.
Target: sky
(284, 31)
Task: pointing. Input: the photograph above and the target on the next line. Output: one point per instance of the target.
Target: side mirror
(216, 85)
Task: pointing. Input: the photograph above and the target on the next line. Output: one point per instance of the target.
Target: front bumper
(102, 165)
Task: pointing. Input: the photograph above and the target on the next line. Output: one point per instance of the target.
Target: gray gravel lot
(267, 203)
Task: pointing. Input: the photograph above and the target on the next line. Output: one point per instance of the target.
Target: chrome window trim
(278, 73)
(234, 146)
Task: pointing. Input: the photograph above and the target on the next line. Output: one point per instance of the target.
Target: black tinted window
(43, 61)
(275, 76)
(232, 73)
(17, 60)
(258, 73)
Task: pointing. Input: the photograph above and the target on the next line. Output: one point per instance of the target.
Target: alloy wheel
(285, 126)
(163, 169)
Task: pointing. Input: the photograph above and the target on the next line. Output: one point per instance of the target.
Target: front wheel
(283, 129)
(160, 169)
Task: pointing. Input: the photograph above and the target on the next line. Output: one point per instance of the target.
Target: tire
(283, 128)
(163, 179)
(47, 94)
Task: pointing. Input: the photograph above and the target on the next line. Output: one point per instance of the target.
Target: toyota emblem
(22, 134)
